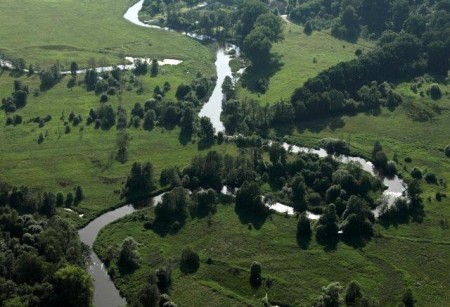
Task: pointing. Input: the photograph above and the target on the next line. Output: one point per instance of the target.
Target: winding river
(105, 292)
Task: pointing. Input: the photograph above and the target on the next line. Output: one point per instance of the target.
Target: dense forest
(42, 261)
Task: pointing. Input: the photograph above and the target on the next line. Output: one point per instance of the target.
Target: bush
(447, 150)
(104, 98)
(129, 256)
(430, 178)
(190, 261)
(435, 92)
(416, 173)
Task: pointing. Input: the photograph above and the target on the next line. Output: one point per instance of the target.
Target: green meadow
(43, 32)
(302, 57)
(85, 156)
(384, 268)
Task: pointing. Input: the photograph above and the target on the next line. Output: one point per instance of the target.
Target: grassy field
(298, 52)
(83, 157)
(45, 31)
(381, 267)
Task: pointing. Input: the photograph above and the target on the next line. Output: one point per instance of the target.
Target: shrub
(190, 261)
(435, 92)
(129, 256)
(416, 173)
(255, 274)
(430, 178)
(104, 98)
(447, 150)
(391, 168)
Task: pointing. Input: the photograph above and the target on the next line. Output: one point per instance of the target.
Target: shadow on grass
(318, 125)
(255, 220)
(184, 137)
(355, 241)
(304, 241)
(256, 78)
(329, 242)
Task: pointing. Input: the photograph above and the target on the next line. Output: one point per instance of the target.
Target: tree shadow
(282, 130)
(253, 220)
(304, 241)
(355, 241)
(328, 242)
(184, 137)
(205, 144)
(125, 270)
(318, 125)
(256, 78)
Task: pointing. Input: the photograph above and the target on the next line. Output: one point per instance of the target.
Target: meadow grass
(298, 52)
(45, 31)
(85, 156)
(384, 268)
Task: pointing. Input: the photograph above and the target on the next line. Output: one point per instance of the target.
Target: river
(105, 292)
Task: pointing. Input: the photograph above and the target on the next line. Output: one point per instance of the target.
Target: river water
(105, 292)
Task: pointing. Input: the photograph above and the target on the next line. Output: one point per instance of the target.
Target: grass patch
(43, 32)
(298, 52)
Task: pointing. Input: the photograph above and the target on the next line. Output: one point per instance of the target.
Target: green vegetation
(383, 268)
(88, 32)
(85, 156)
(302, 57)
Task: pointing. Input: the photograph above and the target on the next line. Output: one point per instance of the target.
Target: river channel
(105, 292)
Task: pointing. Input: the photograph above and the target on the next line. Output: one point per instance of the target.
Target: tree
(228, 88)
(90, 79)
(74, 287)
(182, 91)
(308, 28)
(129, 256)
(173, 208)
(330, 296)
(69, 199)
(257, 45)
(447, 150)
(353, 293)
(327, 227)
(255, 274)
(272, 22)
(20, 98)
(249, 199)
(155, 68)
(140, 182)
(435, 92)
(29, 268)
(149, 120)
(48, 207)
(79, 196)
(73, 69)
(207, 131)
(164, 276)
(149, 295)
(59, 199)
(187, 121)
(408, 298)
(304, 226)
(189, 262)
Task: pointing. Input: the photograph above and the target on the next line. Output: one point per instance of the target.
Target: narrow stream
(105, 292)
